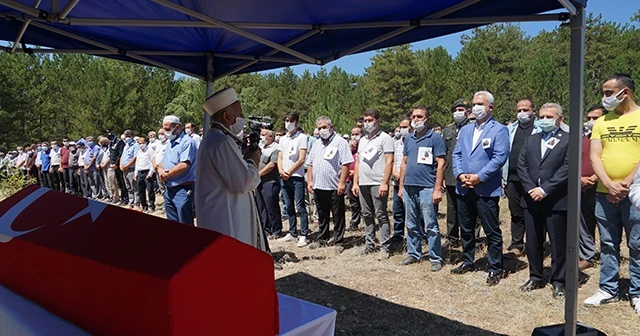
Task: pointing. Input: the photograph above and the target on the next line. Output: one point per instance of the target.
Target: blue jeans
(178, 203)
(293, 190)
(398, 214)
(421, 212)
(612, 218)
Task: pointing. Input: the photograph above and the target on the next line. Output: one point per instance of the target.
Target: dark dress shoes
(494, 278)
(462, 269)
(558, 292)
(410, 260)
(532, 285)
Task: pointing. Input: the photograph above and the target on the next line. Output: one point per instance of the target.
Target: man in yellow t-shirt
(615, 156)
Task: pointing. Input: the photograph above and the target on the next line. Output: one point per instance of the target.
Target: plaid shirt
(327, 161)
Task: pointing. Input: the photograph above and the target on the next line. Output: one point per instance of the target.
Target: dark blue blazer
(485, 159)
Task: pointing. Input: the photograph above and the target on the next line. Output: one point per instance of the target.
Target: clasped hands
(469, 180)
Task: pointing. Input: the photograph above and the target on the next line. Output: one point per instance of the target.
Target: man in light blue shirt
(128, 166)
(177, 171)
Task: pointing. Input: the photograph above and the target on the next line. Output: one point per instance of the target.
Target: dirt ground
(385, 298)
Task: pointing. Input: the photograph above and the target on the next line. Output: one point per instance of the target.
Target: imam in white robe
(224, 190)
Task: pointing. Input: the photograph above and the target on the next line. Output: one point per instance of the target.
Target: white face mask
(277, 138)
(479, 112)
(404, 131)
(524, 117)
(369, 127)
(290, 126)
(162, 137)
(237, 127)
(355, 137)
(459, 116)
(152, 140)
(188, 131)
(170, 134)
(325, 133)
(589, 125)
(143, 146)
(610, 103)
(418, 125)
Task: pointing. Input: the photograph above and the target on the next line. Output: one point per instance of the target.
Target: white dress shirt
(477, 132)
(143, 160)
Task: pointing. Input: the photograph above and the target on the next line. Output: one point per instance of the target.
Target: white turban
(220, 100)
(171, 119)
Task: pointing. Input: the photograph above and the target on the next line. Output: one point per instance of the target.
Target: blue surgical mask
(39, 148)
(128, 140)
(548, 125)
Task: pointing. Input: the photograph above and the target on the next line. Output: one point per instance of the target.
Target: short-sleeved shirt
(181, 149)
(327, 161)
(290, 147)
(620, 138)
(92, 152)
(371, 162)
(129, 152)
(74, 158)
(55, 156)
(423, 174)
(398, 153)
(46, 161)
(270, 154)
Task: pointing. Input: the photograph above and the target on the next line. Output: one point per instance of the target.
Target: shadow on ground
(362, 314)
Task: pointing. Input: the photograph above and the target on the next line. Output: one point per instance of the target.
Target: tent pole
(25, 25)
(576, 101)
(207, 118)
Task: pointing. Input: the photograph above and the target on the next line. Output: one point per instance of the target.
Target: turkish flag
(113, 271)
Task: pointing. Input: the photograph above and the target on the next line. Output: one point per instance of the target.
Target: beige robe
(225, 185)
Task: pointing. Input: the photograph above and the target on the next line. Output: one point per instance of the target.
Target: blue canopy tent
(213, 39)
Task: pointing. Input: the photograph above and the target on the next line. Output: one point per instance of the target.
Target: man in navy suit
(543, 169)
(481, 151)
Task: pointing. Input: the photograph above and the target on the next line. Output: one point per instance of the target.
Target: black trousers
(45, 179)
(515, 191)
(538, 219)
(85, 187)
(56, 177)
(145, 186)
(470, 207)
(268, 202)
(588, 224)
(66, 177)
(74, 181)
(330, 203)
(124, 193)
(453, 223)
(354, 206)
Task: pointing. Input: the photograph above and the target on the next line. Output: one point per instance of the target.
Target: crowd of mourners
(472, 162)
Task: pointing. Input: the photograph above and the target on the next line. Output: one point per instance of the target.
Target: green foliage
(47, 97)
(13, 181)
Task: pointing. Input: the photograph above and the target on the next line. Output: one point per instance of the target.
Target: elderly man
(128, 166)
(191, 131)
(327, 169)
(519, 131)
(371, 181)
(177, 172)
(615, 156)
(543, 170)
(481, 151)
(268, 193)
(226, 178)
(421, 178)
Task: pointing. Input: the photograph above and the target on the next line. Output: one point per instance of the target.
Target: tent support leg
(207, 118)
(576, 107)
(25, 25)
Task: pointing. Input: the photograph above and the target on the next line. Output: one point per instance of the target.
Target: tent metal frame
(58, 19)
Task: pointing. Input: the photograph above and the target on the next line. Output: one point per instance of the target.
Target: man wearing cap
(177, 172)
(227, 179)
(462, 116)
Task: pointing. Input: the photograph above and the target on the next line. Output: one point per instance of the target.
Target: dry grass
(384, 298)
